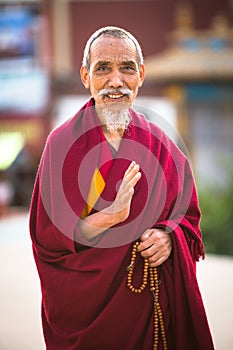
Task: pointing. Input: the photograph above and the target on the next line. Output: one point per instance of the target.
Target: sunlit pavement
(20, 291)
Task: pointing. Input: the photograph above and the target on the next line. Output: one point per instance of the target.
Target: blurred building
(24, 95)
(196, 72)
(187, 47)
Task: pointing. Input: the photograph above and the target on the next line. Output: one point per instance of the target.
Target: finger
(135, 179)
(155, 253)
(130, 173)
(127, 185)
(146, 243)
(149, 251)
(156, 235)
(130, 167)
(146, 234)
(157, 262)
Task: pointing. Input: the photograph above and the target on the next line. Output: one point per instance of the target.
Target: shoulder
(61, 139)
(68, 127)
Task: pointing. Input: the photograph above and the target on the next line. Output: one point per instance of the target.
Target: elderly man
(114, 219)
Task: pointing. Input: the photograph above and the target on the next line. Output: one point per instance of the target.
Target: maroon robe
(85, 301)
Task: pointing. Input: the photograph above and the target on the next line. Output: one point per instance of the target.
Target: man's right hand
(121, 205)
(95, 224)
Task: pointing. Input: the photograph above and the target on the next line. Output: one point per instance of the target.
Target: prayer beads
(154, 288)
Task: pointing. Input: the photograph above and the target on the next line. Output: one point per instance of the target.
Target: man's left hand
(156, 245)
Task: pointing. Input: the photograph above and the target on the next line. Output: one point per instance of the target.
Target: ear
(85, 77)
(142, 75)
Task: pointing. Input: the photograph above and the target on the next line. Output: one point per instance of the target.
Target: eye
(129, 69)
(102, 69)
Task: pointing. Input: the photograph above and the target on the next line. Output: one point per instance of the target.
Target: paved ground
(20, 327)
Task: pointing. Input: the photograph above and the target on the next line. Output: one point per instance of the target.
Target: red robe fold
(86, 304)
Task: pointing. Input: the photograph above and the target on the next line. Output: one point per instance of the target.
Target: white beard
(116, 120)
(115, 116)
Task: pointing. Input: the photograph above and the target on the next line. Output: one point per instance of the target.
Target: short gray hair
(115, 32)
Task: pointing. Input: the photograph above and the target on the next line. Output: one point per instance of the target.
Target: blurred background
(188, 51)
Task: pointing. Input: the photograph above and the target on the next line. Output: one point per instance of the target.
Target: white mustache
(115, 92)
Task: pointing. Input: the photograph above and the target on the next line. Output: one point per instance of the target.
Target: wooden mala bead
(151, 274)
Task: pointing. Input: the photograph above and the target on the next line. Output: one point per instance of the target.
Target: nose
(115, 79)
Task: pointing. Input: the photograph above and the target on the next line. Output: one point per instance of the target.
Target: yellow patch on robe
(96, 188)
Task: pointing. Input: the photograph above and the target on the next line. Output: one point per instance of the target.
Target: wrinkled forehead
(109, 48)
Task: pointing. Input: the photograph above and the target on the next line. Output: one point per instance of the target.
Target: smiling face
(114, 75)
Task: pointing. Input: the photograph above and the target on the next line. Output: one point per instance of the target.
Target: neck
(112, 133)
(113, 136)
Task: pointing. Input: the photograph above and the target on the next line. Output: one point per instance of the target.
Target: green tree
(216, 204)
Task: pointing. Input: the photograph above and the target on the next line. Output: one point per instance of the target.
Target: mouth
(115, 96)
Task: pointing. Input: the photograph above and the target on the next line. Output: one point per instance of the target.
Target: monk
(115, 221)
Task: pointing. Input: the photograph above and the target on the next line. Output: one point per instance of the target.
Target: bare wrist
(113, 217)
